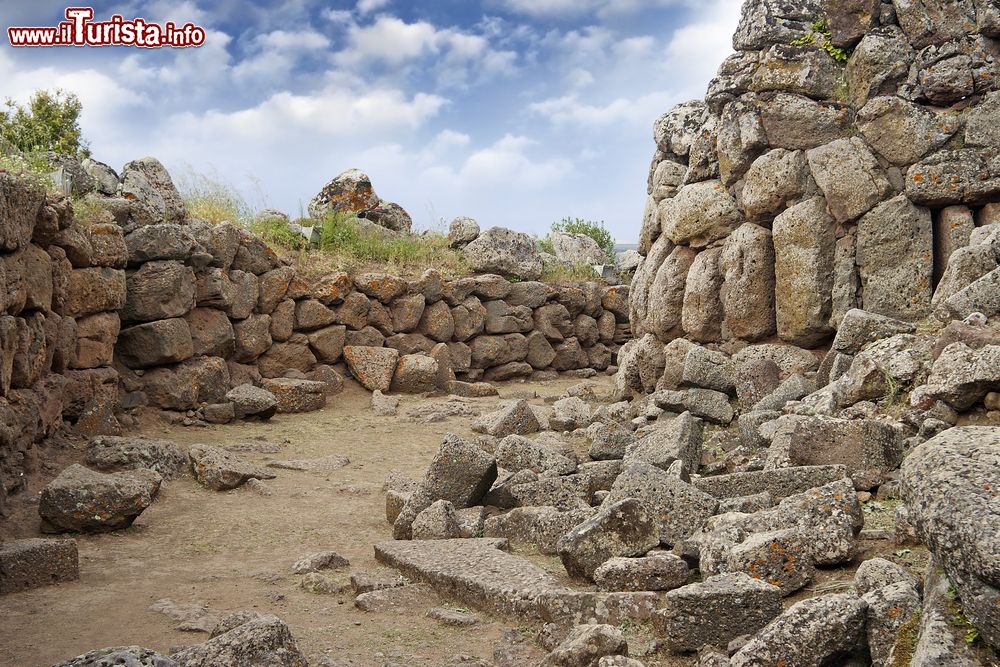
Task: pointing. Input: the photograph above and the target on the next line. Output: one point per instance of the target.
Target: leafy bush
(591, 228)
(32, 168)
(49, 122)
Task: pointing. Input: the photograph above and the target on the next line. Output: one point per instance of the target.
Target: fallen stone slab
(115, 453)
(892, 619)
(829, 518)
(250, 401)
(542, 527)
(373, 367)
(515, 452)
(33, 563)
(569, 607)
(937, 641)
(679, 439)
(476, 572)
(452, 617)
(716, 611)
(189, 616)
(400, 599)
(365, 582)
(655, 572)
(780, 482)
(622, 528)
(84, 500)
(869, 448)
(778, 557)
(810, 632)
(570, 492)
(876, 573)
(221, 470)
(710, 405)
(323, 463)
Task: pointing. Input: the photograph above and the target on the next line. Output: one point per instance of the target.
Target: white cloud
(570, 110)
(369, 6)
(457, 56)
(275, 55)
(335, 112)
(696, 50)
(576, 8)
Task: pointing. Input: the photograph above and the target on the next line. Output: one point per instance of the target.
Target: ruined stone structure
(844, 157)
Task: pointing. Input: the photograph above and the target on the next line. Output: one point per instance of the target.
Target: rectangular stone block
(33, 563)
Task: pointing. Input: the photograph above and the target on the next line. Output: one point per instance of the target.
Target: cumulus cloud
(369, 6)
(577, 8)
(571, 110)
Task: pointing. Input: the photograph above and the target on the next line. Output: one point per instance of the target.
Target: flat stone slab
(332, 462)
(570, 608)
(476, 572)
(34, 562)
(780, 483)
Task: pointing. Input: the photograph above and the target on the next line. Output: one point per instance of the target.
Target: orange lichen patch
(893, 612)
(917, 177)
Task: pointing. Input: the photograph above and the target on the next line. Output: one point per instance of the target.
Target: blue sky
(513, 112)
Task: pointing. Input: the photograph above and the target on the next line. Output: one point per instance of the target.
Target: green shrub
(276, 232)
(593, 229)
(32, 168)
(49, 122)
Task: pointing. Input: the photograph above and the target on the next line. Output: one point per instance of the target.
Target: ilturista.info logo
(80, 29)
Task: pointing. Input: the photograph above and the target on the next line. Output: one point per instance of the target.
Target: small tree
(49, 122)
(591, 228)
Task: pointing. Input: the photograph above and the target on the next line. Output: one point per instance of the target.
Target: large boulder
(504, 251)
(149, 188)
(460, 473)
(804, 242)
(155, 343)
(949, 484)
(716, 611)
(849, 176)
(577, 249)
(373, 367)
(623, 528)
(700, 214)
(895, 254)
(766, 22)
(350, 192)
(811, 632)
(260, 640)
(83, 500)
(678, 509)
(159, 290)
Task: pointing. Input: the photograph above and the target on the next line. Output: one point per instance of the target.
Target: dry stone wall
(148, 308)
(62, 285)
(801, 187)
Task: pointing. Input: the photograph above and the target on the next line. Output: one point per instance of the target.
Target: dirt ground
(234, 550)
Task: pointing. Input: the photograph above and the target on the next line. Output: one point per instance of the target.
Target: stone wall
(148, 308)
(802, 187)
(62, 284)
(211, 307)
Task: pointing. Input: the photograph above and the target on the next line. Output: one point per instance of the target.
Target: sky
(516, 113)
